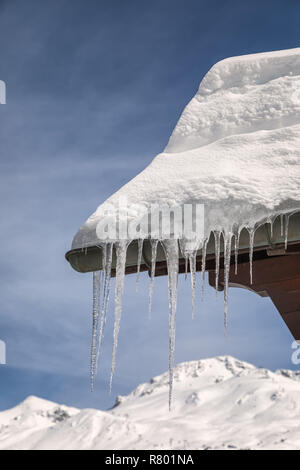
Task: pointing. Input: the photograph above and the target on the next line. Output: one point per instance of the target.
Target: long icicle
(186, 265)
(192, 261)
(96, 312)
(172, 255)
(217, 236)
(251, 248)
(107, 262)
(121, 249)
(281, 225)
(227, 255)
(140, 251)
(271, 222)
(153, 264)
(286, 230)
(236, 250)
(203, 268)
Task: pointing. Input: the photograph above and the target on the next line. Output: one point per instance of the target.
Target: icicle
(106, 264)
(192, 261)
(153, 264)
(271, 222)
(186, 267)
(185, 251)
(281, 225)
(103, 253)
(227, 255)
(96, 312)
(140, 251)
(236, 251)
(217, 257)
(251, 247)
(121, 249)
(172, 254)
(286, 231)
(203, 268)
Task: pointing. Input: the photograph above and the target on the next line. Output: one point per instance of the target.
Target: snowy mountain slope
(218, 403)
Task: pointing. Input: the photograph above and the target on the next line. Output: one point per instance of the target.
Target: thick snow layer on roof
(241, 95)
(235, 148)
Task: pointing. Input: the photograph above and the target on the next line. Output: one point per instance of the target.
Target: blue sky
(94, 89)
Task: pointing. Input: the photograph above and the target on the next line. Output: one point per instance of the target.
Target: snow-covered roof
(235, 148)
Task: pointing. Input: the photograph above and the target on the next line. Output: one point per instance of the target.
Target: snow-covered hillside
(218, 403)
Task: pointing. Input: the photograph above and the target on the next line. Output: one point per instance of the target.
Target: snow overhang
(235, 149)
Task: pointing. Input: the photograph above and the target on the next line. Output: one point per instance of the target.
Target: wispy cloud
(93, 91)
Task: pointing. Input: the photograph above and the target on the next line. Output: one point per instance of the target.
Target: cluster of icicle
(101, 283)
